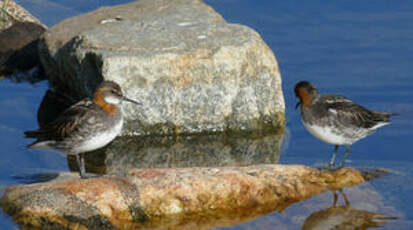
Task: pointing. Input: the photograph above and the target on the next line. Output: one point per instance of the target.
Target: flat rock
(192, 71)
(169, 198)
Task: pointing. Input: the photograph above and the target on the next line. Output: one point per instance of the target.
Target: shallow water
(360, 49)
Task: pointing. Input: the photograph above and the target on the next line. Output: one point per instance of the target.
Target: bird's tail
(41, 145)
(39, 134)
(31, 134)
(384, 116)
(41, 142)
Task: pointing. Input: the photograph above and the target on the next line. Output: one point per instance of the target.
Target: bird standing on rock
(335, 119)
(85, 126)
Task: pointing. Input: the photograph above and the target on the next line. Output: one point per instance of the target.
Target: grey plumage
(72, 127)
(85, 126)
(349, 119)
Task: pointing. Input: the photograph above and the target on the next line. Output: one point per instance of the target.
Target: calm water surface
(360, 49)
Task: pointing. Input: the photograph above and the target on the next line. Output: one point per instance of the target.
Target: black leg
(335, 198)
(345, 198)
(333, 158)
(345, 156)
(81, 165)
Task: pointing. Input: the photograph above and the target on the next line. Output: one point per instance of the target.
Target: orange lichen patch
(305, 97)
(108, 108)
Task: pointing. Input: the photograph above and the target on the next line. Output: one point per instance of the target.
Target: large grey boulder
(192, 71)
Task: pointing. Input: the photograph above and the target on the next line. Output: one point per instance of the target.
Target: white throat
(112, 100)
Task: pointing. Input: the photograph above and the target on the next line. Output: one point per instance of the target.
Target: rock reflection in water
(344, 217)
(222, 149)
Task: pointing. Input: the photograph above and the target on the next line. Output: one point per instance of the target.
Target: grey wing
(66, 124)
(331, 99)
(352, 114)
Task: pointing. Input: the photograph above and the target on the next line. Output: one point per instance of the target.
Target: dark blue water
(360, 49)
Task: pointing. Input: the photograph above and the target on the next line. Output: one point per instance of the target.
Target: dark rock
(19, 33)
(18, 47)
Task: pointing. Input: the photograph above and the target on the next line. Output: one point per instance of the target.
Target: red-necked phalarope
(335, 119)
(85, 126)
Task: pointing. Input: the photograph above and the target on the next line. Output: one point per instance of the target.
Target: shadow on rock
(344, 217)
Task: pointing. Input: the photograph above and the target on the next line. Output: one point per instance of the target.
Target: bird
(335, 119)
(87, 125)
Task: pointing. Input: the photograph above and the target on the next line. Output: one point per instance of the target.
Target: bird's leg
(335, 198)
(333, 158)
(81, 165)
(345, 156)
(345, 198)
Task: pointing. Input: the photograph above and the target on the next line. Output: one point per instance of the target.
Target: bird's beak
(130, 100)
(296, 105)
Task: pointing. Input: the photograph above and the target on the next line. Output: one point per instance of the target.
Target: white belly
(326, 134)
(101, 139)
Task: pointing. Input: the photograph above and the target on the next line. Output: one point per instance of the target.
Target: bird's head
(111, 93)
(306, 93)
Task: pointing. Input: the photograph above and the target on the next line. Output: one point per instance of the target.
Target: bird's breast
(101, 138)
(326, 133)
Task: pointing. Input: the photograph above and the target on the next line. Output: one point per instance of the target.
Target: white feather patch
(326, 134)
(378, 125)
(112, 100)
(333, 111)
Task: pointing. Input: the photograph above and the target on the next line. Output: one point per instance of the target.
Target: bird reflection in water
(344, 217)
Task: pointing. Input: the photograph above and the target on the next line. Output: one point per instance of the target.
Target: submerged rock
(170, 198)
(192, 71)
